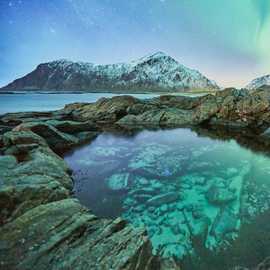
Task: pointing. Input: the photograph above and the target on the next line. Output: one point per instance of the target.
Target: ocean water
(24, 102)
(200, 199)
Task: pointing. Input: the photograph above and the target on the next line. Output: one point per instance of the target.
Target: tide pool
(192, 194)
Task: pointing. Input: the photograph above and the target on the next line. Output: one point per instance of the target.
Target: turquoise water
(189, 192)
(48, 102)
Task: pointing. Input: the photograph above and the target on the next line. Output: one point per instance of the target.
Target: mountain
(155, 72)
(263, 81)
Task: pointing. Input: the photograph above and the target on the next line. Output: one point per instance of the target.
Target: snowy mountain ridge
(154, 72)
(259, 82)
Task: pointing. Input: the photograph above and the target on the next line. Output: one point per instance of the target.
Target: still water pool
(193, 194)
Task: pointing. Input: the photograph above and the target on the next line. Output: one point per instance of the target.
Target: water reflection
(193, 193)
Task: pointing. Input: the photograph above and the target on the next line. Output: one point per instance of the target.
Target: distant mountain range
(155, 72)
(259, 82)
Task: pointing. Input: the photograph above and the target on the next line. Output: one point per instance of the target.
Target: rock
(219, 196)
(264, 265)
(266, 134)
(160, 117)
(68, 235)
(41, 177)
(15, 138)
(225, 222)
(149, 162)
(118, 182)
(7, 162)
(55, 138)
(103, 111)
(200, 230)
(86, 136)
(41, 224)
(163, 199)
(72, 127)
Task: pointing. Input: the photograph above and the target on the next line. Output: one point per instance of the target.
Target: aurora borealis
(227, 40)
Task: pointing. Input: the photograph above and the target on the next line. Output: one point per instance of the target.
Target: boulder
(118, 182)
(65, 235)
(104, 110)
(225, 222)
(55, 138)
(218, 196)
(163, 199)
(73, 127)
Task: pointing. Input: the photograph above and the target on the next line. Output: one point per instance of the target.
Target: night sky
(227, 40)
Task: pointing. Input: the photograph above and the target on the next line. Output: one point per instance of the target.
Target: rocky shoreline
(42, 225)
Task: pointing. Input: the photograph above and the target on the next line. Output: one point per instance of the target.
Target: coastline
(40, 220)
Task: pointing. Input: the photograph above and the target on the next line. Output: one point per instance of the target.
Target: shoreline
(2, 92)
(40, 219)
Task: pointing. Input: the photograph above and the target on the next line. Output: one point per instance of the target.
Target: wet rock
(150, 191)
(225, 222)
(219, 196)
(151, 161)
(118, 182)
(55, 138)
(15, 138)
(7, 162)
(142, 198)
(42, 177)
(65, 232)
(104, 110)
(200, 230)
(40, 224)
(73, 127)
(163, 199)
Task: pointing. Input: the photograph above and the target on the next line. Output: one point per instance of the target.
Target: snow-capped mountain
(155, 72)
(259, 82)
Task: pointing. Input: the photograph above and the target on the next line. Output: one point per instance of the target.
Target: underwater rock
(218, 196)
(163, 199)
(193, 179)
(143, 191)
(155, 161)
(118, 182)
(108, 151)
(142, 198)
(200, 229)
(225, 222)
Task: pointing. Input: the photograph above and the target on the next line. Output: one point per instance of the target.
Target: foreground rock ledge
(42, 226)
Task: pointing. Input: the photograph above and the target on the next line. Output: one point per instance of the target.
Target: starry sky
(226, 40)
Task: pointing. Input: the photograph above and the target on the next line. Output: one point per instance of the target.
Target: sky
(226, 40)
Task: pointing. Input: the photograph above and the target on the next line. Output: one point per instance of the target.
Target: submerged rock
(156, 160)
(118, 182)
(225, 222)
(163, 199)
(218, 195)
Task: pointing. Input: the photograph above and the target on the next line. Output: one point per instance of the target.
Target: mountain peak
(158, 54)
(154, 72)
(259, 82)
(155, 57)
